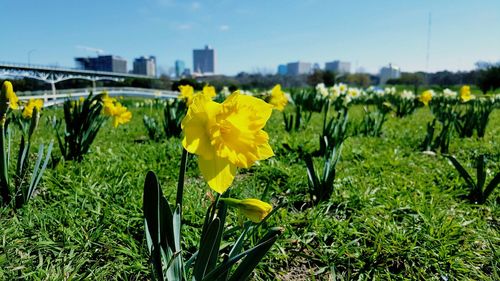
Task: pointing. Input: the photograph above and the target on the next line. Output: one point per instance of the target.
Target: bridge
(51, 99)
(53, 75)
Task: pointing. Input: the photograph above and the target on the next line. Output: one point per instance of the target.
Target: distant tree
(321, 76)
(329, 78)
(409, 78)
(187, 81)
(315, 78)
(489, 78)
(358, 79)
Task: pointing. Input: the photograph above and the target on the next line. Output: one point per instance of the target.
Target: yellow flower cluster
(277, 98)
(226, 136)
(32, 104)
(426, 97)
(11, 97)
(465, 94)
(116, 110)
(187, 93)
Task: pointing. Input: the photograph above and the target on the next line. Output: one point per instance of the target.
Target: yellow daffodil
(465, 94)
(254, 209)
(226, 136)
(187, 93)
(426, 97)
(278, 99)
(116, 110)
(109, 105)
(32, 103)
(120, 115)
(209, 91)
(11, 97)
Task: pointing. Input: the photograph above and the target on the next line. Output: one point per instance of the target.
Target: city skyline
(256, 37)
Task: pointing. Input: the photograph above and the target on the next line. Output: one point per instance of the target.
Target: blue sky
(255, 35)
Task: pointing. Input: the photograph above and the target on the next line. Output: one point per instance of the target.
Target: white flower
(320, 88)
(334, 92)
(342, 88)
(407, 95)
(353, 92)
(347, 100)
(390, 91)
(379, 92)
(225, 91)
(447, 93)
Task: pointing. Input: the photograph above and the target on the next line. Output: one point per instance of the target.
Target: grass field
(396, 213)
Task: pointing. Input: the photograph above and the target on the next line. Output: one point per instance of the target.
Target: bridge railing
(62, 95)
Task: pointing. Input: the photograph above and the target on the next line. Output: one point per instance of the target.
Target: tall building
(389, 72)
(337, 66)
(204, 61)
(102, 63)
(282, 70)
(180, 66)
(145, 66)
(298, 68)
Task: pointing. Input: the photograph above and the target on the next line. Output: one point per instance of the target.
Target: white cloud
(224, 27)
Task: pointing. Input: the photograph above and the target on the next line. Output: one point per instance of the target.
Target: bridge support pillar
(53, 85)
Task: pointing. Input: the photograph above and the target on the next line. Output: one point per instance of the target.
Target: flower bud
(254, 209)
(7, 99)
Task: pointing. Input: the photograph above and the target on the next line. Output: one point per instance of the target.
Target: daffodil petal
(218, 172)
(200, 115)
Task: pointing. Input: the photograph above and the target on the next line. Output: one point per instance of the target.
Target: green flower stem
(4, 179)
(180, 182)
(231, 202)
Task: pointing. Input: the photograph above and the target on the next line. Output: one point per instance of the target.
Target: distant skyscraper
(342, 67)
(180, 66)
(145, 66)
(282, 70)
(298, 68)
(102, 63)
(204, 61)
(389, 72)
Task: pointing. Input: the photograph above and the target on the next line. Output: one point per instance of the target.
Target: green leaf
(490, 187)
(207, 247)
(166, 225)
(480, 172)
(311, 173)
(151, 209)
(220, 270)
(151, 206)
(37, 174)
(249, 263)
(461, 170)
